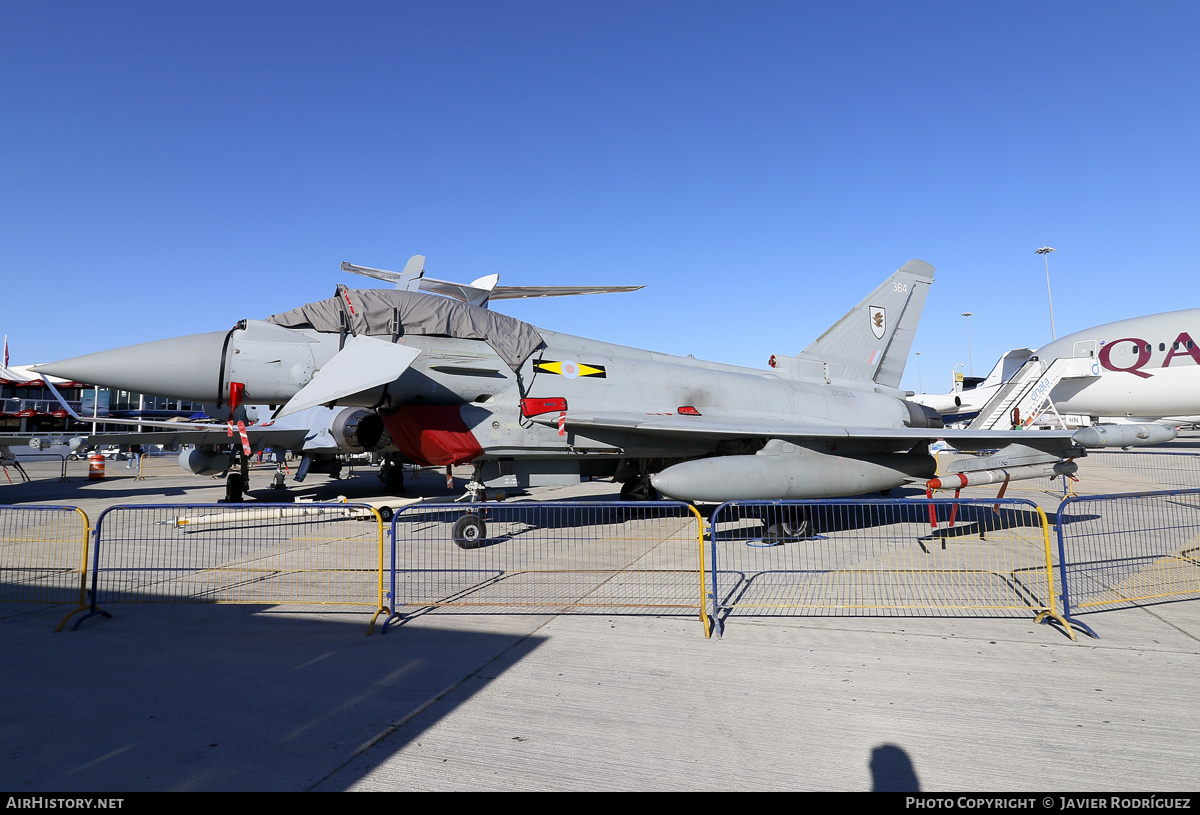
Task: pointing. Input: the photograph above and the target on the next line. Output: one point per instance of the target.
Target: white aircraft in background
(1140, 369)
(962, 405)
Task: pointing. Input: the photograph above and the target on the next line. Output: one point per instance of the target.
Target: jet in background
(478, 292)
(456, 384)
(963, 405)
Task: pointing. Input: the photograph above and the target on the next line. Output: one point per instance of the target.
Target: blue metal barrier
(556, 557)
(1121, 550)
(877, 556)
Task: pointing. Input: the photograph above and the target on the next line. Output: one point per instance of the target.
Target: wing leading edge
(1056, 441)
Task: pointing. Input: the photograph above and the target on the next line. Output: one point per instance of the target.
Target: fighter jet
(455, 384)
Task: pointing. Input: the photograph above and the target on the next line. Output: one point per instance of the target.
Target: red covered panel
(432, 434)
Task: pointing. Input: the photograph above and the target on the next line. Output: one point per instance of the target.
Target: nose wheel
(469, 531)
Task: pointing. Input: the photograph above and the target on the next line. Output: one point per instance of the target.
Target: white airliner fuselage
(1145, 367)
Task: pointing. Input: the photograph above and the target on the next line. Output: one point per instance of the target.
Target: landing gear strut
(470, 531)
(391, 473)
(235, 482)
(639, 489)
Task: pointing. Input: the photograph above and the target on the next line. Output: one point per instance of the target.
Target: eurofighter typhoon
(455, 383)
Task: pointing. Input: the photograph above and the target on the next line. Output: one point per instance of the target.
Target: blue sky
(169, 168)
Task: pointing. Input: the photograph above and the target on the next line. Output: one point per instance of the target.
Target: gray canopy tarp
(429, 314)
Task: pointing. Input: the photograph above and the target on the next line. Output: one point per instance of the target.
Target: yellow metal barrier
(45, 556)
(323, 554)
(556, 558)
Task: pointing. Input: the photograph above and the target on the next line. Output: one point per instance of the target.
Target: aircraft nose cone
(186, 368)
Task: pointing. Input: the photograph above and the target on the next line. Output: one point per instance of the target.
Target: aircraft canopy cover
(372, 311)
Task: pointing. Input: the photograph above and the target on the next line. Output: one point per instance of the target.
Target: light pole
(920, 382)
(1045, 253)
(968, 315)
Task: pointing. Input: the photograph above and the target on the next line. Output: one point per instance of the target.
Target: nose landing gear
(469, 531)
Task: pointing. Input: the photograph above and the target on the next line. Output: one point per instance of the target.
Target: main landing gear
(782, 524)
(639, 488)
(391, 473)
(236, 481)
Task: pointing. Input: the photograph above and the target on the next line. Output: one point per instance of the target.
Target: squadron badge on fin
(878, 321)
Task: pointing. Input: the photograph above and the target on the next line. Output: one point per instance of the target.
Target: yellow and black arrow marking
(569, 369)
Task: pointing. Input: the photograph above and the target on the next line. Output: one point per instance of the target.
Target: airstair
(1029, 390)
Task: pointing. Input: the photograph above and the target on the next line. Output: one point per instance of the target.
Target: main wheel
(469, 531)
(392, 476)
(790, 523)
(234, 486)
(385, 514)
(638, 490)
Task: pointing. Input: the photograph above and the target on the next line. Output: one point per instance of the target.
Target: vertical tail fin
(873, 340)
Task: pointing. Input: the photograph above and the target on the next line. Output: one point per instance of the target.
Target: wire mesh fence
(43, 555)
(881, 557)
(1116, 551)
(1103, 472)
(325, 554)
(55, 467)
(34, 467)
(617, 558)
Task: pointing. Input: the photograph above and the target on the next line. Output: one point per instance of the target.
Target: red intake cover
(432, 434)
